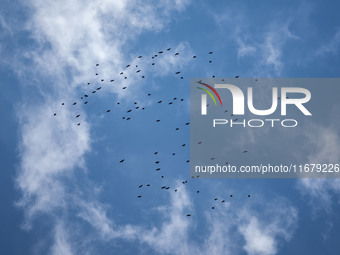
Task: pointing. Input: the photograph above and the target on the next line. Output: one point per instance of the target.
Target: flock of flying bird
(84, 99)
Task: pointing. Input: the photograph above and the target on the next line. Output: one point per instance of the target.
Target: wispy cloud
(262, 43)
(332, 46)
(61, 244)
(323, 147)
(230, 228)
(70, 38)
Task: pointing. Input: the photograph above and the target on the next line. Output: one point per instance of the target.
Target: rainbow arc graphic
(209, 93)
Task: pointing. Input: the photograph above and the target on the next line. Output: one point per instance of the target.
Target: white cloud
(228, 227)
(323, 146)
(258, 241)
(70, 38)
(61, 244)
(50, 148)
(172, 237)
(263, 233)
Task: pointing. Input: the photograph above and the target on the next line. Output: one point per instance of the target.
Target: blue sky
(63, 190)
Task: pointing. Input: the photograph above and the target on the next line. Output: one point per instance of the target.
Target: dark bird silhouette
(127, 66)
(245, 151)
(176, 54)
(137, 71)
(122, 161)
(158, 169)
(140, 186)
(78, 116)
(177, 128)
(108, 111)
(237, 76)
(148, 185)
(97, 64)
(124, 88)
(55, 114)
(177, 72)
(99, 88)
(188, 123)
(86, 102)
(194, 57)
(62, 103)
(140, 56)
(160, 52)
(231, 195)
(215, 199)
(157, 162)
(159, 102)
(183, 144)
(112, 80)
(86, 95)
(139, 196)
(153, 64)
(212, 208)
(222, 201)
(74, 103)
(168, 49)
(248, 195)
(78, 124)
(158, 120)
(121, 73)
(93, 92)
(155, 153)
(188, 215)
(211, 52)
